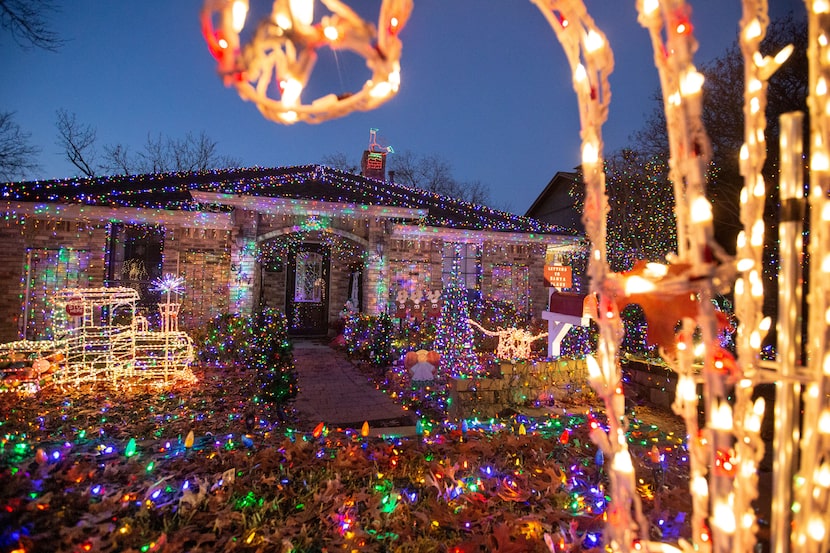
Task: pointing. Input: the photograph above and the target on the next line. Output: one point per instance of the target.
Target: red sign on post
(75, 307)
(559, 276)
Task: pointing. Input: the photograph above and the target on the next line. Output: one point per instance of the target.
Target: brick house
(303, 239)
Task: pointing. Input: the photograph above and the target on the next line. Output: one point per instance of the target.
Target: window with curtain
(462, 262)
(308, 283)
(48, 271)
(511, 283)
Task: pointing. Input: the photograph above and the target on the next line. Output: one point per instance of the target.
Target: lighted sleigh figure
(102, 338)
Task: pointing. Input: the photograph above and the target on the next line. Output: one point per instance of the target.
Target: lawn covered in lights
(209, 468)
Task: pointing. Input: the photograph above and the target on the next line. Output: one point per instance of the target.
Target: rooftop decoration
(205, 199)
(273, 69)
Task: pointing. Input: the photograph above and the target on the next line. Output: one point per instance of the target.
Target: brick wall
(12, 270)
(202, 258)
(339, 275)
(200, 255)
(519, 385)
(273, 287)
(654, 384)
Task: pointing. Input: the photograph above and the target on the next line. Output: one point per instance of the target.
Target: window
(308, 281)
(510, 283)
(49, 271)
(135, 258)
(409, 281)
(462, 262)
(410, 276)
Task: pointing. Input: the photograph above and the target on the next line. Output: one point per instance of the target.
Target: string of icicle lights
(171, 191)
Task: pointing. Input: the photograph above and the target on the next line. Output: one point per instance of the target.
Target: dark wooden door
(307, 301)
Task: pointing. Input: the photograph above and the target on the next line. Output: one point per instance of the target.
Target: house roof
(560, 180)
(172, 191)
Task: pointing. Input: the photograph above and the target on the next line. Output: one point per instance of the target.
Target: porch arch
(276, 233)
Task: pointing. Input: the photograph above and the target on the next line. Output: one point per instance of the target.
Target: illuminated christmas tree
(454, 336)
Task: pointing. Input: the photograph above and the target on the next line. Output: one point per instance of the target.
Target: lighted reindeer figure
(514, 343)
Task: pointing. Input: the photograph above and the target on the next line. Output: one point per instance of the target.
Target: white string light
(812, 495)
(592, 61)
(272, 70)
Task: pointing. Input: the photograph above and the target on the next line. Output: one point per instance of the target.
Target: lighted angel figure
(514, 343)
(421, 365)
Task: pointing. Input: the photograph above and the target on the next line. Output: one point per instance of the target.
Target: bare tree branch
(77, 142)
(26, 22)
(17, 155)
(476, 192)
(340, 161)
(117, 160)
(154, 158)
(433, 173)
(164, 154)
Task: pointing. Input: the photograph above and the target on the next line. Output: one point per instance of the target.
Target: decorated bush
(269, 354)
(222, 340)
(259, 344)
(369, 338)
(413, 335)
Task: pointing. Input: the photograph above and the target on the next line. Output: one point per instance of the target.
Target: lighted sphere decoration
(281, 54)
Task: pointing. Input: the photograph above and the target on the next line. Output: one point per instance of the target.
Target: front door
(308, 290)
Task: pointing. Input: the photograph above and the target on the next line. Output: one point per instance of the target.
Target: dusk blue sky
(485, 84)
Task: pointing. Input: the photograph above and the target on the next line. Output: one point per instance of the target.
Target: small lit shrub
(369, 338)
(259, 344)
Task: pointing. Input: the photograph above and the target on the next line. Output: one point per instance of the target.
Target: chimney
(373, 165)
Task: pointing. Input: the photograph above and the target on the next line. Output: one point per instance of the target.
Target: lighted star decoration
(272, 70)
(169, 284)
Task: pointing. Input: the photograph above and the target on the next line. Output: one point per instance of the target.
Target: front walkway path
(332, 390)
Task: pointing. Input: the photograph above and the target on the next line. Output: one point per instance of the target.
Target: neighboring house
(305, 240)
(556, 205)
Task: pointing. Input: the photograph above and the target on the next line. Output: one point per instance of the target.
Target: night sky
(485, 85)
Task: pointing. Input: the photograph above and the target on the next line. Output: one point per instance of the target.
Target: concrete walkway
(332, 390)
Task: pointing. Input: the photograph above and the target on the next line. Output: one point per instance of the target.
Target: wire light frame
(273, 69)
(725, 452)
(104, 340)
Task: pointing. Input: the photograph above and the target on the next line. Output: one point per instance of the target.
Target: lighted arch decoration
(283, 51)
(339, 232)
(278, 244)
